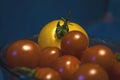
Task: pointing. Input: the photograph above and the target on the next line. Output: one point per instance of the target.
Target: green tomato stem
(61, 30)
(26, 71)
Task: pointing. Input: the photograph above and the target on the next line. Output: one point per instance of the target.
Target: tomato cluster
(74, 60)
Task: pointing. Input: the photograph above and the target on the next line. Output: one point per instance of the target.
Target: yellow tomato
(47, 36)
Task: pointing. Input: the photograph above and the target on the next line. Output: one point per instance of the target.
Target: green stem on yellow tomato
(61, 30)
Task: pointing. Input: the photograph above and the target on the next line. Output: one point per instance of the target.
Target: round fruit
(74, 42)
(99, 54)
(115, 74)
(51, 33)
(90, 72)
(48, 55)
(47, 74)
(66, 66)
(23, 53)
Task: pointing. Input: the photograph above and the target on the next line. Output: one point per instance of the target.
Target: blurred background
(24, 18)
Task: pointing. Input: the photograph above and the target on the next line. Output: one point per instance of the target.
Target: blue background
(24, 18)
(109, 26)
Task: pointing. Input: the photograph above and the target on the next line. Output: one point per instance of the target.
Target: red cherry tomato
(48, 55)
(90, 72)
(66, 66)
(99, 54)
(115, 74)
(73, 43)
(47, 74)
(23, 53)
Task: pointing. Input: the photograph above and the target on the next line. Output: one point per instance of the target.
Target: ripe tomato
(66, 66)
(90, 71)
(47, 36)
(115, 74)
(47, 74)
(99, 54)
(73, 43)
(23, 53)
(48, 55)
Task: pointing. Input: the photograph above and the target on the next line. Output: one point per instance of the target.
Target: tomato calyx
(118, 57)
(25, 71)
(61, 30)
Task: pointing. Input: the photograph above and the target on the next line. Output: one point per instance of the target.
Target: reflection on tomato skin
(66, 66)
(48, 55)
(90, 71)
(23, 53)
(73, 43)
(99, 54)
(47, 74)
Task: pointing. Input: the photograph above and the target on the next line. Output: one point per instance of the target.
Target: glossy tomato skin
(23, 53)
(66, 66)
(99, 54)
(48, 55)
(73, 43)
(47, 74)
(90, 71)
(115, 74)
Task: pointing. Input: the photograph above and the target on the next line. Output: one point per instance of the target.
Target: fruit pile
(63, 53)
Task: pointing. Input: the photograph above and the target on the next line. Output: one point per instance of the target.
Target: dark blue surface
(109, 26)
(1, 75)
(114, 9)
(105, 30)
(24, 18)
